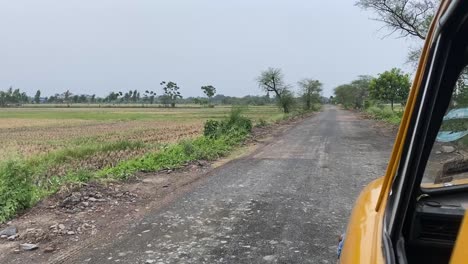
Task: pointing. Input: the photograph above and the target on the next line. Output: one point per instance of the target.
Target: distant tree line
(271, 81)
(169, 98)
(388, 87)
(13, 97)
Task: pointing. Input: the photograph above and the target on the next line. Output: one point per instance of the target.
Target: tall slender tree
(37, 97)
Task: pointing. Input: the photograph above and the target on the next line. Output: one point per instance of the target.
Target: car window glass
(448, 161)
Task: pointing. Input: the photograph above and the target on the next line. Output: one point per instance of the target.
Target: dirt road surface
(285, 203)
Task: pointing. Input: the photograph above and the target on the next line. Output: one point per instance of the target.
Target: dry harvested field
(46, 150)
(32, 132)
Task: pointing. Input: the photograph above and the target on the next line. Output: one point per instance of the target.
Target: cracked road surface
(285, 203)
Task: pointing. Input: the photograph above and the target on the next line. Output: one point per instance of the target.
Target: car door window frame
(430, 108)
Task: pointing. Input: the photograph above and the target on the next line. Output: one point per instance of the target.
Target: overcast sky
(91, 46)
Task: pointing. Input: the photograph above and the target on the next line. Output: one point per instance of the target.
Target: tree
(75, 99)
(127, 96)
(311, 90)
(210, 91)
(135, 96)
(361, 90)
(391, 86)
(271, 80)
(37, 97)
(165, 100)
(82, 99)
(66, 97)
(171, 90)
(149, 96)
(93, 99)
(112, 97)
(345, 95)
(408, 18)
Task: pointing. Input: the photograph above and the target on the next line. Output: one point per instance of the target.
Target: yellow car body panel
(363, 228)
(460, 252)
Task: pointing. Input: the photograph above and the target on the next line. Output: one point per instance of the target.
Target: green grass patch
(24, 182)
(178, 114)
(219, 138)
(385, 113)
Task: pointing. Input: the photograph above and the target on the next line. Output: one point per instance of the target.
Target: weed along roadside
(219, 138)
(23, 183)
(385, 114)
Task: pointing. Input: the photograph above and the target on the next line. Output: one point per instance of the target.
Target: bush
(235, 123)
(219, 138)
(211, 128)
(16, 189)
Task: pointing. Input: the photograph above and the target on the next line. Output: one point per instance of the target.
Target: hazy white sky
(91, 46)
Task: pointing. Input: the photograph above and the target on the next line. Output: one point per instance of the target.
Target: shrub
(211, 128)
(234, 123)
(237, 120)
(16, 189)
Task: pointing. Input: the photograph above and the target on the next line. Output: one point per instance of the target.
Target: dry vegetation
(26, 133)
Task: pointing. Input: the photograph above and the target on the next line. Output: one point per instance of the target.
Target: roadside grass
(386, 114)
(23, 182)
(219, 138)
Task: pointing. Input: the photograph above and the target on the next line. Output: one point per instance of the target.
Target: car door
(415, 204)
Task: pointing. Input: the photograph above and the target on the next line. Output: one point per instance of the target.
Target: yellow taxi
(416, 212)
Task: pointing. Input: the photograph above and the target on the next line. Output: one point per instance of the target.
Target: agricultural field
(94, 138)
(45, 149)
(29, 132)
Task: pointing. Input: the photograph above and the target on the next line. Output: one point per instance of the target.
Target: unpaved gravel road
(285, 203)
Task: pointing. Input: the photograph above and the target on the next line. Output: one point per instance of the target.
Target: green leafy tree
(149, 96)
(135, 96)
(209, 90)
(37, 97)
(16, 97)
(345, 95)
(361, 90)
(165, 100)
(311, 90)
(271, 80)
(171, 91)
(112, 97)
(67, 96)
(75, 99)
(82, 99)
(391, 86)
